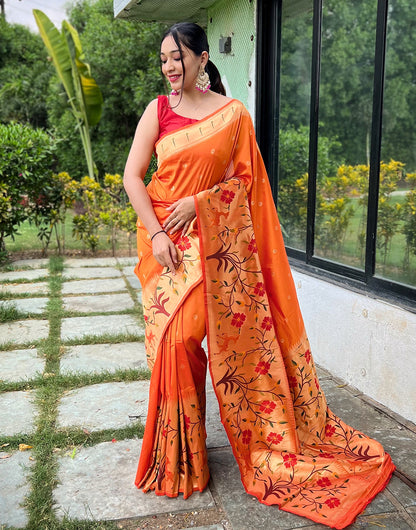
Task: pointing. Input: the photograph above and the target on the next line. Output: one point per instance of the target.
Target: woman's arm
(136, 166)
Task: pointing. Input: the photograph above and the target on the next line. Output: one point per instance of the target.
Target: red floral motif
(290, 460)
(274, 438)
(146, 318)
(238, 320)
(308, 356)
(184, 243)
(329, 430)
(326, 455)
(252, 246)
(316, 383)
(293, 382)
(332, 502)
(259, 289)
(262, 368)
(323, 482)
(246, 436)
(267, 406)
(164, 432)
(227, 196)
(267, 323)
(187, 421)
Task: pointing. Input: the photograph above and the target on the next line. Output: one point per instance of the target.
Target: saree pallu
(234, 282)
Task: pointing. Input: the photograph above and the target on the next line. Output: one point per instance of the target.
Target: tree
(124, 56)
(84, 95)
(24, 76)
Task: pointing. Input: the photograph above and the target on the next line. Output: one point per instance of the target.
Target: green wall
(235, 19)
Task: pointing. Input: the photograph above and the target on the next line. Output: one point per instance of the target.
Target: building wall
(367, 342)
(236, 19)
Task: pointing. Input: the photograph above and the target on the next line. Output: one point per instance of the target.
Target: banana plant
(84, 95)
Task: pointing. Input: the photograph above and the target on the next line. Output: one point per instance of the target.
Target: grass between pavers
(7, 295)
(48, 441)
(9, 313)
(25, 280)
(112, 338)
(11, 345)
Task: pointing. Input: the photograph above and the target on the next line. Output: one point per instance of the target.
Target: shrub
(26, 185)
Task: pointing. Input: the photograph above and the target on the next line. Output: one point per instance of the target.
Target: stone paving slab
(36, 306)
(101, 302)
(90, 262)
(20, 365)
(216, 435)
(91, 272)
(78, 327)
(104, 406)
(134, 282)
(94, 286)
(20, 288)
(13, 489)
(23, 331)
(40, 263)
(130, 262)
(98, 483)
(30, 274)
(401, 491)
(96, 358)
(19, 407)
(353, 410)
(400, 444)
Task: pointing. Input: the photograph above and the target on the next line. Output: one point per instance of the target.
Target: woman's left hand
(183, 213)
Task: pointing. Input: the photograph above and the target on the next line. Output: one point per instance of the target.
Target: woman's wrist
(156, 233)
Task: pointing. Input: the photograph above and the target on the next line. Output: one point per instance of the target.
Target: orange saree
(235, 284)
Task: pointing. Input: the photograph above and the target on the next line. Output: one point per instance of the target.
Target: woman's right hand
(164, 251)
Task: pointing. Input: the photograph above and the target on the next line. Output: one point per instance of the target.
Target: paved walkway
(102, 387)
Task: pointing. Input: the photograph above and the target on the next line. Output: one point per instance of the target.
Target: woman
(212, 261)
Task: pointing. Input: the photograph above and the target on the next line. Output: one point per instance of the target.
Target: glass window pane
(396, 224)
(345, 112)
(295, 87)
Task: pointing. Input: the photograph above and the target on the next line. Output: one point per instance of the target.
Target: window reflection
(345, 113)
(295, 87)
(396, 223)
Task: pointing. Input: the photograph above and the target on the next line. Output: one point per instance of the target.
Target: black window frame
(269, 31)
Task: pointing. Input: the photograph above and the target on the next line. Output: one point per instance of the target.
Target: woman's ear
(204, 58)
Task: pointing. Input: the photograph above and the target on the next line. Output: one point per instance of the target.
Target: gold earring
(203, 83)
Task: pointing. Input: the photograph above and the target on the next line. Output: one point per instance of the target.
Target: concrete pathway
(95, 482)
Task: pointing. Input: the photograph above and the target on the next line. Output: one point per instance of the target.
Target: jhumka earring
(203, 84)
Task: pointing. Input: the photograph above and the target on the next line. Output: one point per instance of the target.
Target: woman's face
(172, 66)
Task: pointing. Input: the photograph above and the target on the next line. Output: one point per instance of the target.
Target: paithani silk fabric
(234, 282)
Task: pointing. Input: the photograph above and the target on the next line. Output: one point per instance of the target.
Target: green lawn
(27, 240)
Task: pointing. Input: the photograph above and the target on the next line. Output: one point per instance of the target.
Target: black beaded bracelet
(156, 233)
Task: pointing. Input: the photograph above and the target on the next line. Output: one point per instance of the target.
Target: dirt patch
(178, 521)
